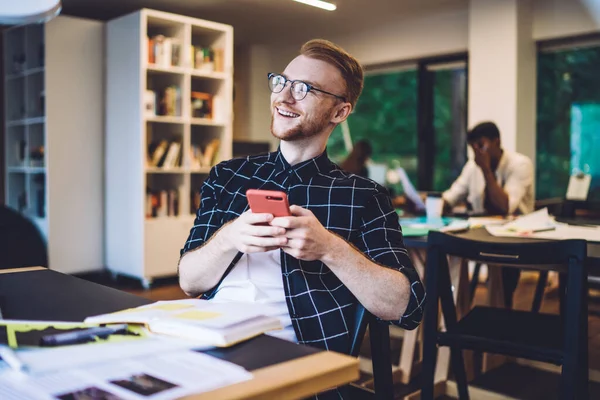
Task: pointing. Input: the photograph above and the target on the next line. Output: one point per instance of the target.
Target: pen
(82, 336)
(12, 360)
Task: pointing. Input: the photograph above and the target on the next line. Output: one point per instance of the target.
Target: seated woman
(356, 162)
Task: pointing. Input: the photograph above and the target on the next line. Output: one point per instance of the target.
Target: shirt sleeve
(460, 188)
(381, 241)
(208, 217)
(517, 182)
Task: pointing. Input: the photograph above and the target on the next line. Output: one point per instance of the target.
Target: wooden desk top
(294, 379)
(282, 370)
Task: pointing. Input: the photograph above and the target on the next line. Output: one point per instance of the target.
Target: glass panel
(449, 121)
(568, 120)
(386, 116)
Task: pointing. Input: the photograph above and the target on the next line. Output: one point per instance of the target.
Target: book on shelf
(202, 105)
(164, 51)
(207, 59)
(150, 103)
(166, 102)
(163, 203)
(202, 321)
(208, 157)
(164, 154)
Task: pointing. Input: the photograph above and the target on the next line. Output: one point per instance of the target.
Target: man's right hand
(250, 233)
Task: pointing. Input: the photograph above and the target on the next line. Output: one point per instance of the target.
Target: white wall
(75, 131)
(410, 38)
(562, 18)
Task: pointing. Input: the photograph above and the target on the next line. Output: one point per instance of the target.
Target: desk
(281, 369)
(593, 248)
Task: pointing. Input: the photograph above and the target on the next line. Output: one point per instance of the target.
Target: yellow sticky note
(170, 306)
(197, 315)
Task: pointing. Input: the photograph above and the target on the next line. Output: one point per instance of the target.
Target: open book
(205, 322)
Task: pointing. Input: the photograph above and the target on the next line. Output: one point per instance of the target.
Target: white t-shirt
(256, 278)
(514, 174)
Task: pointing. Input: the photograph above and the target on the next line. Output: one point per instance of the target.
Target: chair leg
(474, 282)
(539, 291)
(379, 334)
(450, 319)
(458, 366)
(574, 315)
(430, 325)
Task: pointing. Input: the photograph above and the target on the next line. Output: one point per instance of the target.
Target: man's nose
(286, 94)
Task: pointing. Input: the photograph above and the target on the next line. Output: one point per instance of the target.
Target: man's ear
(341, 113)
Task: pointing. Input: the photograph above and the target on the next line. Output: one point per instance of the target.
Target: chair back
(542, 255)
(21, 244)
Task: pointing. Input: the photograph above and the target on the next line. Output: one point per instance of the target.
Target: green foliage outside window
(568, 120)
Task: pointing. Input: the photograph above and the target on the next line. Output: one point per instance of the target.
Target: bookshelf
(53, 130)
(169, 114)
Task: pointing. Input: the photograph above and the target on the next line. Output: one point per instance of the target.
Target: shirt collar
(304, 170)
(503, 161)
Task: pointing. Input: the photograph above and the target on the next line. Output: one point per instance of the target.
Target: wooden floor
(509, 379)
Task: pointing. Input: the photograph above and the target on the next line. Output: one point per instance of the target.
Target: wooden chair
(558, 339)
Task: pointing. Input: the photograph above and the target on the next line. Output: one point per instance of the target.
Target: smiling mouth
(286, 114)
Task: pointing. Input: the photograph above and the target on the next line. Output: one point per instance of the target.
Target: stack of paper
(540, 225)
(211, 323)
(162, 376)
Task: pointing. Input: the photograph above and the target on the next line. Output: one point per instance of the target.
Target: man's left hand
(482, 159)
(308, 240)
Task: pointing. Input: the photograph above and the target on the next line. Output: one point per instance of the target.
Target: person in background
(356, 162)
(495, 182)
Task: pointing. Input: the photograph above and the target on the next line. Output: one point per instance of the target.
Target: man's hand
(308, 240)
(247, 236)
(482, 158)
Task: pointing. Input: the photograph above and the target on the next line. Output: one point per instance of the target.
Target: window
(385, 116)
(568, 118)
(414, 117)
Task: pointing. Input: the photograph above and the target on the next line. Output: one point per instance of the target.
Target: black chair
(379, 334)
(21, 244)
(558, 339)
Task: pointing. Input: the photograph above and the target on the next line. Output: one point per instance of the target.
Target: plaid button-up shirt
(321, 307)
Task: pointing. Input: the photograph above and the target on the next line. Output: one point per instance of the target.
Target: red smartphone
(268, 202)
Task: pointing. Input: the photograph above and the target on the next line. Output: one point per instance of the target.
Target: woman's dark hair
(355, 163)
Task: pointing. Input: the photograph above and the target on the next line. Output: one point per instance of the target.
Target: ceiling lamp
(22, 12)
(319, 3)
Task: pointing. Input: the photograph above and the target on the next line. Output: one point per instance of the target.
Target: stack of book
(207, 158)
(164, 51)
(162, 203)
(164, 154)
(207, 59)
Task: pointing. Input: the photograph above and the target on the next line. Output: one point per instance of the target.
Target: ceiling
(273, 21)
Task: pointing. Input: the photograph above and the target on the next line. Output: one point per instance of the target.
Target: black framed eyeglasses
(299, 89)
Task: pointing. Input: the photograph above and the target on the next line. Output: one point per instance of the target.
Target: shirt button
(290, 171)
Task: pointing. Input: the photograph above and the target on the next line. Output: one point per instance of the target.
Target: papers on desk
(421, 226)
(202, 321)
(539, 225)
(158, 377)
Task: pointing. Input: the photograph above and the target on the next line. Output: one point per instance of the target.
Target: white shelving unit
(142, 241)
(53, 81)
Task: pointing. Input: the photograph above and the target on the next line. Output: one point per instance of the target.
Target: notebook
(205, 322)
